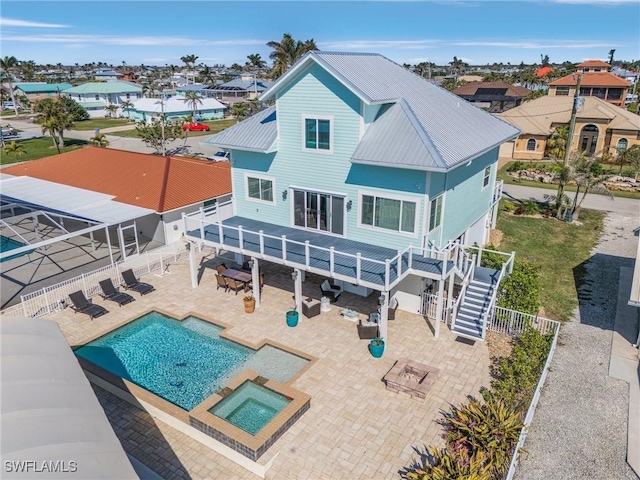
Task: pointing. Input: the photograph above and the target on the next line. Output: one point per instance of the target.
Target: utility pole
(567, 150)
(164, 152)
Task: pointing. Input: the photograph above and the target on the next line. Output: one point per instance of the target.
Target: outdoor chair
(235, 285)
(367, 332)
(331, 291)
(310, 307)
(221, 268)
(391, 310)
(109, 292)
(132, 283)
(82, 305)
(221, 283)
(250, 284)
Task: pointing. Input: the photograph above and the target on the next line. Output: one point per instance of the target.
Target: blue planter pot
(292, 318)
(376, 350)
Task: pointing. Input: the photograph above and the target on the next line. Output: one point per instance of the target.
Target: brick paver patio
(355, 428)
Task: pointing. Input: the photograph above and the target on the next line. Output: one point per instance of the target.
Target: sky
(477, 31)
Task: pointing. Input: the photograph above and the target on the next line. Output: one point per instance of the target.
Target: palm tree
(239, 109)
(100, 140)
(255, 61)
(588, 181)
(111, 109)
(190, 63)
(193, 99)
(14, 148)
(7, 64)
(186, 120)
(557, 142)
(126, 105)
(457, 66)
(287, 51)
(49, 126)
(206, 75)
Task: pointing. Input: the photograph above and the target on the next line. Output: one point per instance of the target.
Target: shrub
(521, 290)
(508, 206)
(514, 166)
(518, 374)
(76, 110)
(448, 464)
(492, 260)
(491, 429)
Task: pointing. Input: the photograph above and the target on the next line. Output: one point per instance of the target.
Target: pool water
(7, 244)
(250, 407)
(183, 362)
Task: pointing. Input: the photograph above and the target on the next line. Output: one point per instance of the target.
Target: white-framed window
(260, 189)
(487, 176)
(97, 97)
(397, 214)
(318, 133)
(622, 145)
(531, 145)
(128, 96)
(562, 91)
(435, 213)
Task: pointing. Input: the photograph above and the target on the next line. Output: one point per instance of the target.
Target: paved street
(627, 206)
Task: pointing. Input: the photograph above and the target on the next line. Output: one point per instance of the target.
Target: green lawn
(509, 180)
(215, 126)
(40, 148)
(94, 123)
(559, 248)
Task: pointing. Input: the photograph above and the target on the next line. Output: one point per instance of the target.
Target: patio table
(237, 275)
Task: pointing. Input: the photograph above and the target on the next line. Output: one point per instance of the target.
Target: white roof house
(175, 105)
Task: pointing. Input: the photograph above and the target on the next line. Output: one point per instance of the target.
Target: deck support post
(255, 279)
(192, 265)
(106, 233)
(439, 307)
(450, 294)
(384, 316)
(297, 278)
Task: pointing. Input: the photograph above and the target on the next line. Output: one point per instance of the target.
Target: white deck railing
(55, 297)
(200, 220)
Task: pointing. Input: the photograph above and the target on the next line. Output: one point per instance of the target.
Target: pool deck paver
(355, 428)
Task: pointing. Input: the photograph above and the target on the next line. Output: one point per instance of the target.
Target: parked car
(8, 131)
(220, 156)
(9, 106)
(196, 127)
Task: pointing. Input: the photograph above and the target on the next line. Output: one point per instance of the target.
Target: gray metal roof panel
(256, 133)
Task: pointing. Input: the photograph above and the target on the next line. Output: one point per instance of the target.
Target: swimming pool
(183, 362)
(7, 244)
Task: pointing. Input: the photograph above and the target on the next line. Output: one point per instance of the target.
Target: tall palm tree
(7, 64)
(14, 148)
(287, 51)
(193, 99)
(126, 105)
(190, 63)
(255, 61)
(100, 140)
(207, 76)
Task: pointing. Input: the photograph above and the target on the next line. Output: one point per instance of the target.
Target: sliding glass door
(319, 211)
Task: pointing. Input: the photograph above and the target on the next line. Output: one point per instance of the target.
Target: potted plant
(376, 347)
(292, 318)
(249, 303)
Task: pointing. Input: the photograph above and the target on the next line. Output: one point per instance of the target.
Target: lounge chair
(109, 292)
(221, 283)
(331, 291)
(235, 285)
(82, 305)
(132, 283)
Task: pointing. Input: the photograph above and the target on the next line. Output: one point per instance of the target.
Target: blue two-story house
(368, 174)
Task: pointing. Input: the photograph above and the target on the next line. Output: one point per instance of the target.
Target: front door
(319, 211)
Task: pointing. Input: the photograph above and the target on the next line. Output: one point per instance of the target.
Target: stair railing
(465, 283)
(494, 296)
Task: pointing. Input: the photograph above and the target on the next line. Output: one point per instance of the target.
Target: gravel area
(580, 426)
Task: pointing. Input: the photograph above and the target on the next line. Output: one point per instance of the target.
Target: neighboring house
(148, 109)
(600, 126)
(239, 88)
(149, 189)
(130, 77)
(94, 96)
(107, 74)
(194, 87)
(494, 97)
(365, 173)
(597, 81)
(37, 90)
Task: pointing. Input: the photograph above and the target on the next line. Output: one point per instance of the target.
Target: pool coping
(141, 398)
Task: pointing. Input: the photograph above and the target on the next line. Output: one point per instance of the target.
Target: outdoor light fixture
(250, 263)
(294, 275)
(349, 204)
(381, 300)
(284, 194)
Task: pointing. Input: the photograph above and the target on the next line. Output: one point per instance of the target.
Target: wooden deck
(294, 251)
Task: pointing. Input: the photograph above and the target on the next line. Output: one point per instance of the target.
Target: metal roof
(257, 133)
(85, 204)
(176, 104)
(242, 84)
(49, 410)
(41, 87)
(104, 87)
(453, 130)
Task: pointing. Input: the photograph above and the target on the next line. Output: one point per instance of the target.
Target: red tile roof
(149, 181)
(591, 79)
(593, 63)
(543, 71)
(511, 90)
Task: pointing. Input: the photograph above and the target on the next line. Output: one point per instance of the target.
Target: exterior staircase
(476, 301)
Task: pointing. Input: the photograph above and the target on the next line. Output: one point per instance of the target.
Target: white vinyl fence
(55, 297)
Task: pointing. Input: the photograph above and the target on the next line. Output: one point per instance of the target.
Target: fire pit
(412, 378)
